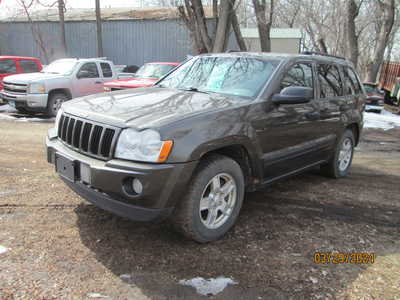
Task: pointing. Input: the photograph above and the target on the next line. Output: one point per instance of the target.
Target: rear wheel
(341, 161)
(54, 103)
(213, 201)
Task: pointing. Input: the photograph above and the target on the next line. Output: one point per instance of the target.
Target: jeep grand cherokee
(188, 148)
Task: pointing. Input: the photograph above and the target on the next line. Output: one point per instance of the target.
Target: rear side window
(300, 74)
(354, 79)
(106, 69)
(28, 66)
(7, 66)
(329, 81)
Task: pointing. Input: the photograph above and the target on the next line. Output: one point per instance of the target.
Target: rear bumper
(36, 101)
(110, 183)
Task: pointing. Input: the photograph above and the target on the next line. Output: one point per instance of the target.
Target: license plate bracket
(66, 168)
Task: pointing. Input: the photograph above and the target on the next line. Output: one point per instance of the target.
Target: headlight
(37, 88)
(381, 102)
(57, 121)
(143, 145)
(107, 89)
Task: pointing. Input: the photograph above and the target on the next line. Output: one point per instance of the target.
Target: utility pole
(61, 9)
(99, 32)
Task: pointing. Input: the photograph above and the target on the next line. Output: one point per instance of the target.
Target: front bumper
(25, 100)
(163, 184)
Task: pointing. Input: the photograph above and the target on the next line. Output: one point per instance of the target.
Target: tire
(339, 166)
(54, 103)
(197, 224)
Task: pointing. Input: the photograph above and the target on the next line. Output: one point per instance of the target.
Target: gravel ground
(60, 247)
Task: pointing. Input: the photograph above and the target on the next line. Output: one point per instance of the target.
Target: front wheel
(340, 163)
(213, 201)
(54, 103)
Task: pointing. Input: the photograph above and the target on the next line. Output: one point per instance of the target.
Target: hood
(31, 77)
(146, 108)
(131, 83)
(375, 97)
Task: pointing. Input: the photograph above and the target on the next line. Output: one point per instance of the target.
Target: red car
(10, 65)
(146, 76)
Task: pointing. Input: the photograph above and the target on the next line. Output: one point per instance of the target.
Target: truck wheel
(54, 103)
(213, 200)
(340, 163)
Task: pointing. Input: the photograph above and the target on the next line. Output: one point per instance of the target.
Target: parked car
(146, 76)
(125, 71)
(60, 81)
(10, 65)
(375, 97)
(188, 148)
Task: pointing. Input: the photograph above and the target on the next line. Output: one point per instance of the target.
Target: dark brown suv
(188, 148)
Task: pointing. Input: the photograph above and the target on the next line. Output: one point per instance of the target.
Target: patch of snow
(25, 119)
(96, 295)
(3, 249)
(125, 276)
(212, 286)
(313, 280)
(385, 120)
(7, 108)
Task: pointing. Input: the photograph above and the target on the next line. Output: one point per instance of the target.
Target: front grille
(15, 87)
(94, 139)
(115, 89)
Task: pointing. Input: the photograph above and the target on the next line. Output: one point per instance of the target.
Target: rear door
(7, 67)
(107, 71)
(331, 101)
(88, 80)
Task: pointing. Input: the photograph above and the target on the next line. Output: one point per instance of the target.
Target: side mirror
(293, 95)
(83, 74)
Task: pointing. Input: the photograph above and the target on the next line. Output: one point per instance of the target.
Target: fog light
(137, 186)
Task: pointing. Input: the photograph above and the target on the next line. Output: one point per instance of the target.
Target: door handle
(98, 82)
(313, 115)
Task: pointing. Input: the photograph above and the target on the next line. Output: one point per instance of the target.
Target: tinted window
(28, 66)
(298, 75)
(89, 70)
(236, 76)
(106, 69)
(7, 66)
(329, 81)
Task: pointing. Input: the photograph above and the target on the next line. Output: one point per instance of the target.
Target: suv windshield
(238, 76)
(153, 70)
(64, 67)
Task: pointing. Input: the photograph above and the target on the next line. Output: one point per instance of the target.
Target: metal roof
(276, 33)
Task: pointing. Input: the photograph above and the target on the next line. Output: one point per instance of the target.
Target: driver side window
(88, 70)
(300, 74)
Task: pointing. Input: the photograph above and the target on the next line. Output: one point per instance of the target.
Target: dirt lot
(60, 247)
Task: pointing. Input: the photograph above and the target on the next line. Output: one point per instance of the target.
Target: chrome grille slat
(87, 137)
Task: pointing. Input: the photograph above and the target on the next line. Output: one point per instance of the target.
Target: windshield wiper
(193, 89)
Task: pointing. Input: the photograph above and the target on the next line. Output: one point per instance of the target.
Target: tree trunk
(224, 21)
(264, 26)
(201, 23)
(352, 38)
(388, 13)
(61, 7)
(99, 30)
(238, 33)
(322, 45)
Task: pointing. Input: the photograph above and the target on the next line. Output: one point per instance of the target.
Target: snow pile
(7, 108)
(212, 286)
(385, 120)
(25, 119)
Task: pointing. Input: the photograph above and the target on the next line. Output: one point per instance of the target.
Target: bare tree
(387, 9)
(353, 10)
(99, 30)
(264, 25)
(192, 14)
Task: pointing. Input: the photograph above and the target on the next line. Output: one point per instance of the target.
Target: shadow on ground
(269, 252)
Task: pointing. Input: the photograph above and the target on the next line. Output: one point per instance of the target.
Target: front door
(288, 132)
(88, 80)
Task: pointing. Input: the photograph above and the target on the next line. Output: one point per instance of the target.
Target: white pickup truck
(60, 81)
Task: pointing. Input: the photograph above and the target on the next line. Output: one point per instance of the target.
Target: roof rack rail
(321, 54)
